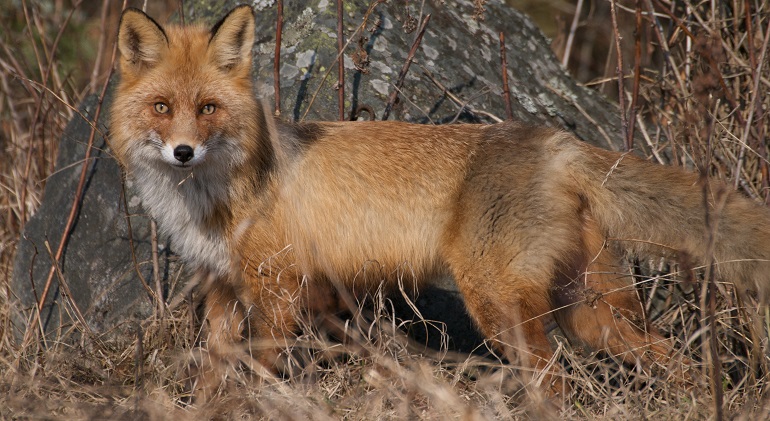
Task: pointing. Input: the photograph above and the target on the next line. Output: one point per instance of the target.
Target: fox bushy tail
(655, 208)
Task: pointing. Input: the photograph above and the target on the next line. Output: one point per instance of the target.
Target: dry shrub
(700, 103)
(32, 118)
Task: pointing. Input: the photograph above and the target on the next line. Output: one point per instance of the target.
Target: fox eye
(161, 108)
(208, 109)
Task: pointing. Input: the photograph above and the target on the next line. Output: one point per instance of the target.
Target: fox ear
(232, 39)
(141, 40)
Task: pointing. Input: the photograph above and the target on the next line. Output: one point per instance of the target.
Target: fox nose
(183, 153)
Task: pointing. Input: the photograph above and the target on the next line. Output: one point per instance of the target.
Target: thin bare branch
(405, 67)
(619, 72)
(506, 88)
(277, 58)
(571, 36)
(340, 62)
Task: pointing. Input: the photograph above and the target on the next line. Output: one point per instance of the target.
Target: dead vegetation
(694, 85)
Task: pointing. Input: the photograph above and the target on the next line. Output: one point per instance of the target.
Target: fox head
(185, 98)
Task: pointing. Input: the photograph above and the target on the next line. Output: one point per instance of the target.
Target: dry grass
(701, 105)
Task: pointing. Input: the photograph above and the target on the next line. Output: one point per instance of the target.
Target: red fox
(520, 216)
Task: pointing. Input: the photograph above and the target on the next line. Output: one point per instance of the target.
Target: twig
(191, 316)
(619, 72)
(506, 88)
(364, 21)
(340, 62)
(750, 36)
(457, 100)
(710, 281)
(356, 114)
(156, 268)
(416, 107)
(405, 67)
(100, 49)
(277, 59)
(637, 77)
(464, 106)
(139, 360)
(663, 42)
(28, 22)
(648, 140)
(571, 36)
(181, 12)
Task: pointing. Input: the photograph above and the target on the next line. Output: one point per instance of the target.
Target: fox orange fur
(519, 215)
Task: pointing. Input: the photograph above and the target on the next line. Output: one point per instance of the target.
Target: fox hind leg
(598, 307)
(606, 314)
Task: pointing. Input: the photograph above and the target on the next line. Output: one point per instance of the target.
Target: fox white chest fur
(185, 199)
(180, 201)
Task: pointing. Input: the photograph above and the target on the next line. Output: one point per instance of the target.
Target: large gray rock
(461, 52)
